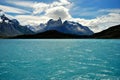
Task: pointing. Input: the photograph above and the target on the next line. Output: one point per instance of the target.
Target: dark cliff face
(110, 33)
(13, 29)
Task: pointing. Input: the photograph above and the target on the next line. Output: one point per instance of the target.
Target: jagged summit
(66, 27)
(54, 23)
(75, 28)
(11, 27)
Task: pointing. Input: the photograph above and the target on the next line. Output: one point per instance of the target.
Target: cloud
(42, 7)
(53, 13)
(9, 9)
(52, 10)
(110, 10)
(21, 3)
(31, 19)
(100, 23)
(64, 3)
(57, 12)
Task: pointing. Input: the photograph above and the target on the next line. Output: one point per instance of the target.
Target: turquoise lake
(59, 59)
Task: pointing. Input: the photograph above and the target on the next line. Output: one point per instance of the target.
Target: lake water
(66, 59)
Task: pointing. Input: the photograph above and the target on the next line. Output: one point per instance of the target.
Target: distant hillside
(110, 33)
(51, 34)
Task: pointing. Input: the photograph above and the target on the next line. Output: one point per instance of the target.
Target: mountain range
(53, 29)
(110, 33)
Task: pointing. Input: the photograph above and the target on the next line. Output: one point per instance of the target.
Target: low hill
(110, 33)
(51, 34)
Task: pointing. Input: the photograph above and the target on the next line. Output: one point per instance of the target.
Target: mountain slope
(8, 29)
(11, 27)
(75, 28)
(112, 32)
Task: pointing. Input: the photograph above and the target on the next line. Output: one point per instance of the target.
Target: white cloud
(57, 12)
(31, 20)
(64, 3)
(9, 9)
(100, 23)
(21, 3)
(106, 21)
(110, 10)
(42, 7)
(39, 7)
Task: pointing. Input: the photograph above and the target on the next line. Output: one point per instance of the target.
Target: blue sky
(92, 6)
(97, 14)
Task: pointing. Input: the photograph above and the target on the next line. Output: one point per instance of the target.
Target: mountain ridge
(11, 27)
(68, 27)
(53, 34)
